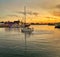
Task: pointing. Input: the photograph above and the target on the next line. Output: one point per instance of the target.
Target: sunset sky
(48, 10)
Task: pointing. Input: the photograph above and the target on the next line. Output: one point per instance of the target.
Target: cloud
(35, 5)
(56, 10)
(58, 6)
(12, 15)
(50, 17)
(56, 13)
(0, 17)
(30, 13)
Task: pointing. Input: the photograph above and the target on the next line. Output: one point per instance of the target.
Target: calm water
(43, 42)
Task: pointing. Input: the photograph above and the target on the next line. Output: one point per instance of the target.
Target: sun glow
(35, 19)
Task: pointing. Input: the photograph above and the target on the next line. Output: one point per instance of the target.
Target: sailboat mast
(25, 14)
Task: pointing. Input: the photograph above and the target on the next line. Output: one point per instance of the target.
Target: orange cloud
(56, 13)
(58, 6)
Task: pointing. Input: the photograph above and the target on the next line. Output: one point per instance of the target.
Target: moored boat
(57, 25)
(27, 29)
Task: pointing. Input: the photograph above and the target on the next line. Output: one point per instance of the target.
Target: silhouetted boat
(57, 25)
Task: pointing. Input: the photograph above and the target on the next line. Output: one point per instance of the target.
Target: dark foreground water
(43, 42)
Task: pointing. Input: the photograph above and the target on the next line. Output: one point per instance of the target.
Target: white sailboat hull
(26, 30)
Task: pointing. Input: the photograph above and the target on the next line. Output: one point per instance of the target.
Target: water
(43, 42)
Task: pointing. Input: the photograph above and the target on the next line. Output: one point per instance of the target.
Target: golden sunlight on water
(43, 27)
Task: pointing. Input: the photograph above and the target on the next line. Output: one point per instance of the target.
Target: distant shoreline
(20, 27)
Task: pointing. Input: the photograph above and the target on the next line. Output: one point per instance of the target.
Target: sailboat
(26, 28)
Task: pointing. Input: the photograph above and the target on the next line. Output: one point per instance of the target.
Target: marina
(29, 28)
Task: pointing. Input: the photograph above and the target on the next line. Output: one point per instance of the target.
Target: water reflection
(25, 51)
(12, 29)
(26, 36)
(40, 43)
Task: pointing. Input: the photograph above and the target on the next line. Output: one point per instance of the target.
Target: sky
(48, 10)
